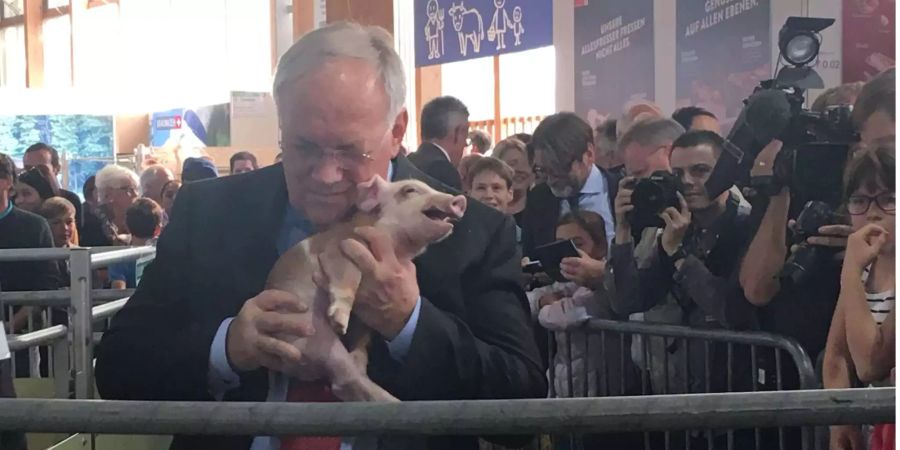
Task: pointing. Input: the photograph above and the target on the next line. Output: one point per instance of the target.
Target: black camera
(652, 196)
(807, 258)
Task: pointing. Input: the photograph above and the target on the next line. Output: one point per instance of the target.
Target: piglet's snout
(457, 207)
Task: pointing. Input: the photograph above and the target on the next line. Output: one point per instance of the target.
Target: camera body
(807, 258)
(652, 196)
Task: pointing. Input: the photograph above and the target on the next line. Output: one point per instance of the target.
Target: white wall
(664, 38)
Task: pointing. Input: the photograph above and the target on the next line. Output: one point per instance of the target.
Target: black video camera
(652, 196)
(816, 145)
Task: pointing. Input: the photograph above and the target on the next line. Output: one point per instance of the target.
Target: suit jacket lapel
(260, 208)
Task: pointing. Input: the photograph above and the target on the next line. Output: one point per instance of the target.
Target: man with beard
(564, 153)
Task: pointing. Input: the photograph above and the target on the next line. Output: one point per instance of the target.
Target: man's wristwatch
(679, 254)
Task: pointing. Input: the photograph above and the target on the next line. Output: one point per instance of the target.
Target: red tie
(310, 391)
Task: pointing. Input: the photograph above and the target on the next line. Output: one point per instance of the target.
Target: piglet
(414, 215)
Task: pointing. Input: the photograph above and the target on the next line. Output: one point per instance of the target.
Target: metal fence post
(80, 324)
(62, 382)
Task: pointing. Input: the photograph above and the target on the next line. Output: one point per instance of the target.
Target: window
(13, 8)
(12, 57)
(57, 52)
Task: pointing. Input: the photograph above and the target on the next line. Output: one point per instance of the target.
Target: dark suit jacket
(542, 209)
(432, 160)
(473, 339)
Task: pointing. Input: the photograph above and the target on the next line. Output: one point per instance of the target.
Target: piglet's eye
(409, 190)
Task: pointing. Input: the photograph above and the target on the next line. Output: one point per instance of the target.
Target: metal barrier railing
(596, 358)
(481, 417)
(80, 309)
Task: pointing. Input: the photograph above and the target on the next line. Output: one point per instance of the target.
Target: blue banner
(448, 31)
(723, 52)
(613, 56)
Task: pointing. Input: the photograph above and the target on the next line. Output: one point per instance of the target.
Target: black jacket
(542, 209)
(432, 160)
(473, 339)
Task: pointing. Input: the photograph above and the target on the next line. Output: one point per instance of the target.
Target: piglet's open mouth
(435, 213)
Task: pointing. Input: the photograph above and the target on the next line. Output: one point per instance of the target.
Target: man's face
(563, 180)
(706, 123)
(242, 166)
(334, 135)
(878, 125)
(491, 189)
(642, 161)
(153, 188)
(694, 165)
(39, 158)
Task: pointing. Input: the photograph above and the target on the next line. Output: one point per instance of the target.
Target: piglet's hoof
(339, 318)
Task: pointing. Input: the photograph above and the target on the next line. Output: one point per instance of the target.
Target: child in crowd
(862, 331)
(144, 219)
(563, 306)
(60, 214)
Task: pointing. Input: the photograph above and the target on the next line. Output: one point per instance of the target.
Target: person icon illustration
(499, 25)
(517, 28)
(434, 29)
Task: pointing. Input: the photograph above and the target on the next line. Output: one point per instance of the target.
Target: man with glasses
(564, 153)
(202, 327)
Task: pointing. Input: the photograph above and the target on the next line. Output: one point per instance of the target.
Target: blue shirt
(221, 378)
(126, 272)
(594, 197)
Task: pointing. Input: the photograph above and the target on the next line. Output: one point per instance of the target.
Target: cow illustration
(467, 31)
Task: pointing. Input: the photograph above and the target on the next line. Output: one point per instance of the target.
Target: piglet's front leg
(341, 281)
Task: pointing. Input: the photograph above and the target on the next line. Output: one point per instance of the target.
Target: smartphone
(551, 255)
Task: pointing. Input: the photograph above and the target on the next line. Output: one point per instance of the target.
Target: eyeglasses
(346, 159)
(860, 204)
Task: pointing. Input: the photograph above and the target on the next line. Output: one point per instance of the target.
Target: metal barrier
(81, 315)
(597, 359)
(482, 417)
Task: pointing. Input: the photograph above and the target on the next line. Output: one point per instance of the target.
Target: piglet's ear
(369, 193)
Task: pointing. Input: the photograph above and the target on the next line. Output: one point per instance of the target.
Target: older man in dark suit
(450, 324)
(445, 134)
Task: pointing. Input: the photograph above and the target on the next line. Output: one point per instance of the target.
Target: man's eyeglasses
(348, 160)
(860, 204)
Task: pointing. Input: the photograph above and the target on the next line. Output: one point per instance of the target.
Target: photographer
(692, 260)
(862, 331)
(804, 312)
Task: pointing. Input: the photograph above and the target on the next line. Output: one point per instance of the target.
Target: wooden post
(366, 12)
(34, 43)
(304, 19)
(497, 115)
(428, 87)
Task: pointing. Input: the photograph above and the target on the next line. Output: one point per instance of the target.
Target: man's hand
(846, 437)
(583, 270)
(677, 223)
(764, 165)
(834, 236)
(622, 207)
(259, 335)
(389, 291)
(864, 245)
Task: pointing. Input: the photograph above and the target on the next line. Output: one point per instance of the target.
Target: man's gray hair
(113, 177)
(345, 40)
(149, 174)
(651, 133)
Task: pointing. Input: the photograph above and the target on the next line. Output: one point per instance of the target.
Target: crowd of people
(709, 262)
(465, 320)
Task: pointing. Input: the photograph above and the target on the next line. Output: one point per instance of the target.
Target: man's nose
(328, 171)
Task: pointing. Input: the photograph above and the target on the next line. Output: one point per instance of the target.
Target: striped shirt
(880, 304)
